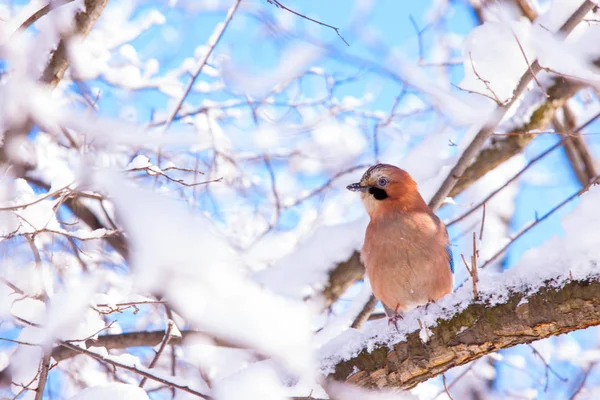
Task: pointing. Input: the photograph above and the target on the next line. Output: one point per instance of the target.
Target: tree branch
(84, 21)
(136, 339)
(342, 277)
(486, 131)
(135, 369)
(503, 149)
(475, 332)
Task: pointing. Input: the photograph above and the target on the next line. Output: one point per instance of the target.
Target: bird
(406, 250)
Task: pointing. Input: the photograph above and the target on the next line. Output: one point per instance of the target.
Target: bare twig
(274, 191)
(386, 122)
(162, 347)
(217, 35)
(540, 219)
(482, 223)
(485, 82)
(327, 184)
(419, 38)
(508, 182)
(582, 382)
(134, 369)
(548, 368)
(42, 198)
(457, 379)
(152, 171)
(446, 387)
(279, 5)
(529, 65)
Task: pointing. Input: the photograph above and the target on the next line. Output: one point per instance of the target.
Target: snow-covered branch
(478, 330)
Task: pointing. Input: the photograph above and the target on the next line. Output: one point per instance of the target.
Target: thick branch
(85, 214)
(475, 332)
(136, 339)
(342, 277)
(486, 131)
(84, 21)
(514, 142)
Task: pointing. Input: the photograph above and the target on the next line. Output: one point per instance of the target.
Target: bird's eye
(382, 181)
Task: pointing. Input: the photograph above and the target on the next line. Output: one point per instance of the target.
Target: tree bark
(476, 331)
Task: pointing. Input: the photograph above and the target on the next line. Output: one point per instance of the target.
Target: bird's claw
(393, 319)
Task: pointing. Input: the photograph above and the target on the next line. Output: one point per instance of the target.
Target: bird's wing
(451, 259)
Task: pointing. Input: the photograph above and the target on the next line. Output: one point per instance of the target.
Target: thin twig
(151, 171)
(482, 223)
(218, 34)
(474, 274)
(540, 219)
(548, 368)
(446, 387)
(44, 197)
(485, 82)
(162, 347)
(581, 385)
(326, 185)
(419, 37)
(279, 5)
(134, 369)
(529, 65)
(458, 378)
(386, 122)
(273, 189)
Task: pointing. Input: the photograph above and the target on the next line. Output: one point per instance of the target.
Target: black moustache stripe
(378, 193)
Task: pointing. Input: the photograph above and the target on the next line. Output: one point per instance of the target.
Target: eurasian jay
(406, 252)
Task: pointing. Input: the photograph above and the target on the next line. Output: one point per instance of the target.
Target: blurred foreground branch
(137, 339)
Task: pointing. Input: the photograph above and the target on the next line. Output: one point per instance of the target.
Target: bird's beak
(356, 187)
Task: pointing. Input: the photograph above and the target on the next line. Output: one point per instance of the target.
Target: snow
(257, 382)
(203, 279)
(558, 261)
(312, 259)
(342, 322)
(113, 391)
(349, 392)
(496, 70)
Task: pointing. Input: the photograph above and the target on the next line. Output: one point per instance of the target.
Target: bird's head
(386, 187)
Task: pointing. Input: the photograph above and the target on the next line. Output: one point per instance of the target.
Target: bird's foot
(394, 318)
(430, 302)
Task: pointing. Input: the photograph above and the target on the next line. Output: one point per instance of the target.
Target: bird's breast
(406, 260)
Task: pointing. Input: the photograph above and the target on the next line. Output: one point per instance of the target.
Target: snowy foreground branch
(472, 333)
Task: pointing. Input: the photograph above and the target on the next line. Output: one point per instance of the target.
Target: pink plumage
(406, 250)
